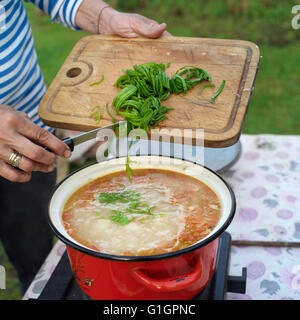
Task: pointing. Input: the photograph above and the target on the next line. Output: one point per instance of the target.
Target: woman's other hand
(19, 134)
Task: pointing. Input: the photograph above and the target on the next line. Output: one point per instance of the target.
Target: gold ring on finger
(15, 159)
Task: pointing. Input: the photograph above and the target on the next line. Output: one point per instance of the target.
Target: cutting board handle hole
(74, 72)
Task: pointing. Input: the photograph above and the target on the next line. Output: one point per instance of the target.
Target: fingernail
(67, 154)
(50, 168)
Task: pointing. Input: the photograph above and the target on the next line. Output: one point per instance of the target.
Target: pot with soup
(154, 236)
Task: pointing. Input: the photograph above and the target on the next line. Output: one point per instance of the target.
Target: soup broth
(159, 212)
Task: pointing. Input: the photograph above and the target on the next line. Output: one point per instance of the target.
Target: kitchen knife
(71, 142)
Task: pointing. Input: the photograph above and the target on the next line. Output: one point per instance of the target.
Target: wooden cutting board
(70, 99)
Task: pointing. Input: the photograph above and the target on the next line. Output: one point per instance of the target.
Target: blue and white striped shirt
(21, 82)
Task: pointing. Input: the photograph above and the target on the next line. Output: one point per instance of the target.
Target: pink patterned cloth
(266, 182)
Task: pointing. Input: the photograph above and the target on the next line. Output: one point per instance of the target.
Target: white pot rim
(95, 170)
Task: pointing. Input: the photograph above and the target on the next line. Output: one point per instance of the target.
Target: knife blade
(71, 142)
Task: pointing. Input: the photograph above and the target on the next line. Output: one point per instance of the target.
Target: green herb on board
(96, 114)
(212, 100)
(146, 86)
(97, 82)
(206, 85)
(109, 113)
(187, 77)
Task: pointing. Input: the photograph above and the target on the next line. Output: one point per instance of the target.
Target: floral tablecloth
(266, 182)
(266, 227)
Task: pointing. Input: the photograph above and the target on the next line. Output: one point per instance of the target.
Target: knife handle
(68, 141)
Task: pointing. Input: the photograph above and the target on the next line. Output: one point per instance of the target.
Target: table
(266, 228)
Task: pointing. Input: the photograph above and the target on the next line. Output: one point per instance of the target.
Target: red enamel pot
(179, 275)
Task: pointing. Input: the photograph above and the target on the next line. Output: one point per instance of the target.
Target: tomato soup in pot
(159, 211)
(154, 238)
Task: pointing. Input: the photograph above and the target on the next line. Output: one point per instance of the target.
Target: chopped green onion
(109, 113)
(97, 82)
(212, 100)
(96, 114)
(206, 85)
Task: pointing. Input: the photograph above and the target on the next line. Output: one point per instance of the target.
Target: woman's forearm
(90, 14)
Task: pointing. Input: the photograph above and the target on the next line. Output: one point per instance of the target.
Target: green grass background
(275, 102)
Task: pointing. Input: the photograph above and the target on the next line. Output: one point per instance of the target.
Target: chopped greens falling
(128, 169)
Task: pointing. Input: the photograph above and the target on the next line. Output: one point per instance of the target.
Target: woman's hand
(130, 25)
(95, 16)
(19, 134)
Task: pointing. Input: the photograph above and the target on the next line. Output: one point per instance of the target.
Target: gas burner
(62, 286)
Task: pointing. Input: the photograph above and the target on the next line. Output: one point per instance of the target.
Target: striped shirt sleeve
(63, 11)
